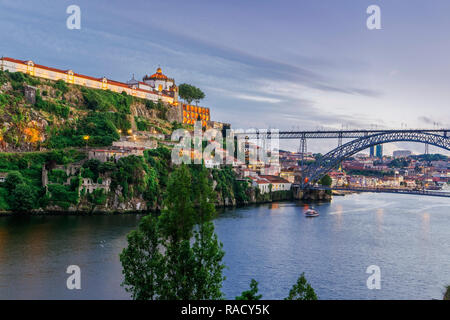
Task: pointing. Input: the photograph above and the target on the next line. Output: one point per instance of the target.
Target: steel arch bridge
(333, 158)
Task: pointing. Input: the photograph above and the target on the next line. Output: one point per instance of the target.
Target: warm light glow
(130, 131)
(32, 134)
(86, 138)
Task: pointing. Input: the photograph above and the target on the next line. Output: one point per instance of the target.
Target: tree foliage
(251, 294)
(22, 198)
(143, 262)
(169, 257)
(447, 293)
(190, 93)
(326, 181)
(302, 290)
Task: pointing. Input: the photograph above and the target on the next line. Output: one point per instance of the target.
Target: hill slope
(61, 114)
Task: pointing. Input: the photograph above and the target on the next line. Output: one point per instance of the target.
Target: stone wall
(175, 113)
(30, 94)
(311, 195)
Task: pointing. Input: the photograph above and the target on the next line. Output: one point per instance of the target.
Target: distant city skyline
(302, 64)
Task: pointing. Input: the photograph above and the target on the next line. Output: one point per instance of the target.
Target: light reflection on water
(407, 236)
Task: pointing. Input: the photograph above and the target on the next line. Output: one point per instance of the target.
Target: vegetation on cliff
(140, 178)
(62, 114)
(38, 114)
(22, 189)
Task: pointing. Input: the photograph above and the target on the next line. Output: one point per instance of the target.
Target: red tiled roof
(109, 81)
(275, 179)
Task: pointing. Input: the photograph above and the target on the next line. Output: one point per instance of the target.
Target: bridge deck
(329, 134)
(384, 190)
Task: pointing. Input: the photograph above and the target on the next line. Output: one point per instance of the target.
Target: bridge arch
(333, 158)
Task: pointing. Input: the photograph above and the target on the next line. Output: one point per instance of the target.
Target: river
(407, 236)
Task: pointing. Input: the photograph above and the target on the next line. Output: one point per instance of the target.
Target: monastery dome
(156, 76)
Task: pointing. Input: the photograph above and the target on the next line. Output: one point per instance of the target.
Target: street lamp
(86, 139)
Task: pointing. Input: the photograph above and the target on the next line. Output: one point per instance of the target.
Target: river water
(407, 236)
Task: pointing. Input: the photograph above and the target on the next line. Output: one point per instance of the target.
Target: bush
(142, 124)
(3, 100)
(4, 196)
(62, 195)
(57, 176)
(98, 197)
(22, 198)
(106, 100)
(51, 107)
(61, 86)
(12, 180)
(326, 181)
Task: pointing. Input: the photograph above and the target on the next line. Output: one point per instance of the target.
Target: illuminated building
(194, 113)
(156, 87)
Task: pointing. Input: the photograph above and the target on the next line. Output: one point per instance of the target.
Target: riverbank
(280, 196)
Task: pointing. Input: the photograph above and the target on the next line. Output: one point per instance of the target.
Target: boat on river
(310, 213)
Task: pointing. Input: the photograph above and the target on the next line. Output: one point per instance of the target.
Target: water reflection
(338, 212)
(274, 205)
(380, 213)
(426, 226)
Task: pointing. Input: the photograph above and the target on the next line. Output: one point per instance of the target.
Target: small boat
(311, 213)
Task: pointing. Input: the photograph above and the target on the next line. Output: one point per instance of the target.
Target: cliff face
(34, 111)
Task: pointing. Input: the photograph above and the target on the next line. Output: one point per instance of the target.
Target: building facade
(401, 153)
(379, 150)
(153, 88)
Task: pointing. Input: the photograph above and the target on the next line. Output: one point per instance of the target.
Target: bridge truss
(333, 158)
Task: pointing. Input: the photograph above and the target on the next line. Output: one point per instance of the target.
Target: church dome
(156, 76)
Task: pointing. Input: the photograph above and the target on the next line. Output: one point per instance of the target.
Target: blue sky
(279, 64)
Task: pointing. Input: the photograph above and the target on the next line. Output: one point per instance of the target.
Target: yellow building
(195, 113)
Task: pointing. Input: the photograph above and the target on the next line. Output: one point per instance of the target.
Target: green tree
(326, 181)
(143, 264)
(252, 293)
(207, 248)
(190, 93)
(22, 198)
(447, 293)
(178, 215)
(190, 261)
(198, 95)
(186, 92)
(13, 179)
(302, 290)
(177, 221)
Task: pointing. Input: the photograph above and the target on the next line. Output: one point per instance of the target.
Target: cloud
(430, 121)
(257, 98)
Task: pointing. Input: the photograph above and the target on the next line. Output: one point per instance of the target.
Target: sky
(297, 64)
